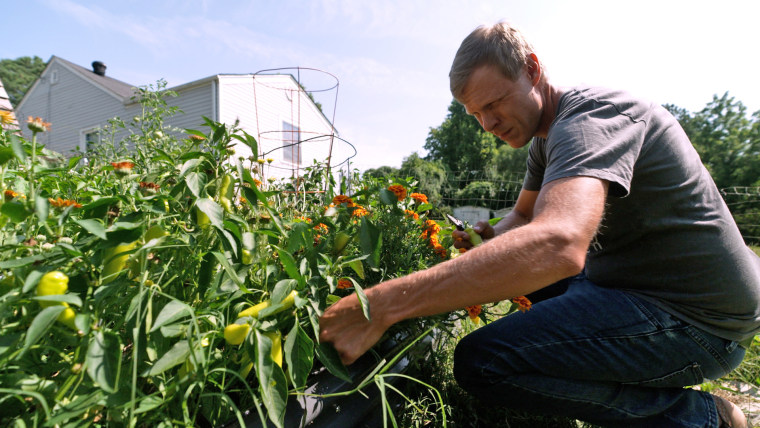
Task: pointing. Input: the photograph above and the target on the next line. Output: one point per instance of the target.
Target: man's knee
(473, 361)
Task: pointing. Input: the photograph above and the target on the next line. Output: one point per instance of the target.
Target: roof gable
(117, 88)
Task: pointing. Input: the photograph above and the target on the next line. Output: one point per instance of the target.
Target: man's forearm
(516, 263)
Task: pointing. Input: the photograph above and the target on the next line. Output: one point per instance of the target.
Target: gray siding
(71, 104)
(195, 102)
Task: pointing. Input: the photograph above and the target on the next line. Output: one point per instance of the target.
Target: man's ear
(534, 69)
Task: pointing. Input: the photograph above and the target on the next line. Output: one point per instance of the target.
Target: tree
(19, 74)
(430, 176)
(459, 142)
(726, 138)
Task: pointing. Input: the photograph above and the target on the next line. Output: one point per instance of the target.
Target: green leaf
(289, 263)
(362, 299)
(424, 207)
(358, 267)
(195, 182)
(103, 360)
(189, 166)
(272, 382)
(41, 324)
(370, 241)
(32, 279)
(93, 226)
(23, 261)
(387, 197)
(299, 355)
(15, 210)
(18, 148)
(173, 357)
(102, 202)
(171, 312)
(149, 403)
(41, 208)
(214, 212)
(8, 341)
(68, 298)
(329, 357)
(6, 154)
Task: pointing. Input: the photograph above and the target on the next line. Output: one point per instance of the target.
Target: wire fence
(498, 193)
(744, 203)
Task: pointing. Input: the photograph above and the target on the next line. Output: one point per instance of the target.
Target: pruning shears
(458, 223)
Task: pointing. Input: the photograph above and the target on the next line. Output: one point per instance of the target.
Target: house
(7, 110)
(274, 108)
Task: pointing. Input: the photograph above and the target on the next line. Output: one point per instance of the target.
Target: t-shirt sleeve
(594, 139)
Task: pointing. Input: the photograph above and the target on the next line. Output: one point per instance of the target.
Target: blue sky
(392, 57)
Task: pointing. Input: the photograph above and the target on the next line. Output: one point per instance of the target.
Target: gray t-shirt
(667, 234)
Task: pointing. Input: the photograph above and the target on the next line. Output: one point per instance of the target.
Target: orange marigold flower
(433, 239)
(122, 168)
(257, 182)
(399, 190)
(431, 227)
(523, 303)
(37, 125)
(304, 219)
(419, 198)
(344, 283)
(412, 214)
(342, 199)
(63, 203)
(463, 250)
(149, 187)
(474, 311)
(440, 251)
(321, 227)
(10, 195)
(359, 211)
(196, 137)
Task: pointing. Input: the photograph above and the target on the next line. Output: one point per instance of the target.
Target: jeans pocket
(686, 376)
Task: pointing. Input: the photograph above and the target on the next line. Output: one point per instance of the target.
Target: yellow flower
(37, 125)
(6, 117)
(270, 160)
(399, 190)
(260, 161)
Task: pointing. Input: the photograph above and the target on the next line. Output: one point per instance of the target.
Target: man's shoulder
(581, 99)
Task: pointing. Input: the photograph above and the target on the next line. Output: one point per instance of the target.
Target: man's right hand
(482, 228)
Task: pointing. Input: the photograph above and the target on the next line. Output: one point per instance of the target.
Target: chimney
(99, 68)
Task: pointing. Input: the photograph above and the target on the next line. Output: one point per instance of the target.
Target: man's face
(510, 110)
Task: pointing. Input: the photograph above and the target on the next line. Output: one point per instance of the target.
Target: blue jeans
(599, 355)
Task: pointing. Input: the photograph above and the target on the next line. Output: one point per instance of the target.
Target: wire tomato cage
(305, 127)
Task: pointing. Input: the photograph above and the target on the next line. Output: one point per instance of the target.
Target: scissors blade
(458, 223)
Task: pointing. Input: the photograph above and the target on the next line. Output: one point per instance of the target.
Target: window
(90, 138)
(291, 143)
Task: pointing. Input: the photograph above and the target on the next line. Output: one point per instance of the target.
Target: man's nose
(489, 122)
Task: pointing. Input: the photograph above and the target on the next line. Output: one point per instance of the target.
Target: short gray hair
(501, 45)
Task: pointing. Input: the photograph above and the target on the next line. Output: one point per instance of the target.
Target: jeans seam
(696, 337)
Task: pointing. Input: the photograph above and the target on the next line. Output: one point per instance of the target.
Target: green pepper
(235, 334)
(226, 193)
(52, 283)
(341, 240)
(115, 259)
(154, 232)
(475, 239)
(254, 310)
(276, 352)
